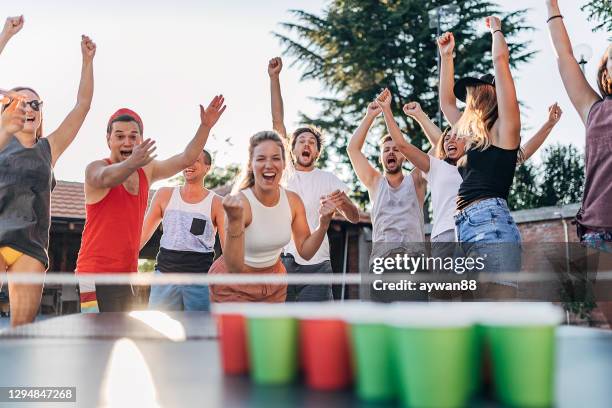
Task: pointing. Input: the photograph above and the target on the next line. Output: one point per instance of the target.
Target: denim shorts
(601, 241)
(486, 229)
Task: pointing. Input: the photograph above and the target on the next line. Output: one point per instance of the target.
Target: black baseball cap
(461, 85)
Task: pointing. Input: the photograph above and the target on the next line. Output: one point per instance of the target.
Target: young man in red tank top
(116, 196)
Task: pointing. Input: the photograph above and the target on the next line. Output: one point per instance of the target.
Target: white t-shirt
(444, 181)
(310, 186)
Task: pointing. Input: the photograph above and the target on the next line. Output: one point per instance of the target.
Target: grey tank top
(397, 217)
(26, 182)
(188, 227)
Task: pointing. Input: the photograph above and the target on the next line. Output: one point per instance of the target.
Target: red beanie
(127, 112)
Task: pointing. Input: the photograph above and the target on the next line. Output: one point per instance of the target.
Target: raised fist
(446, 44)
(493, 23)
(275, 66)
(412, 109)
(554, 113)
(12, 25)
(384, 99)
(373, 110)
(88, 48)
(232, 204)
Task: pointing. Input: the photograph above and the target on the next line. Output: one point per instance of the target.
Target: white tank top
(397, 216)
(269, 231)
(186, 226)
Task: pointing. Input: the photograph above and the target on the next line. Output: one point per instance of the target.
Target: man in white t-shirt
(312, 185)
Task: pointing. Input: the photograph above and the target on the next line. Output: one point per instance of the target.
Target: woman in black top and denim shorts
(491, 125)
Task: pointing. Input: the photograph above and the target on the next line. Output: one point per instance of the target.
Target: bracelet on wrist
(553, 17)
(498, 30)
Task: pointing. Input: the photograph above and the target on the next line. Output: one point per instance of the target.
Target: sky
(162, 61)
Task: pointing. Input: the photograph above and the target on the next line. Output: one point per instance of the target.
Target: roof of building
(68, 201)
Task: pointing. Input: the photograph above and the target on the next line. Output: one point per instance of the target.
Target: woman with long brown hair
(262, 217)
(27, 159)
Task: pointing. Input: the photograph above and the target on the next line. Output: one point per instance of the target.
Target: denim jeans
(602, 241)
(486, 229)
(307, 293)
(179, 297)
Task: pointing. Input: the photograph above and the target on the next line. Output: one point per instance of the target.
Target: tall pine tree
(600, 11)
(357, 47)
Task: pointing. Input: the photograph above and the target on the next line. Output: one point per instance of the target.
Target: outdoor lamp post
(446, 16)
(583, 54)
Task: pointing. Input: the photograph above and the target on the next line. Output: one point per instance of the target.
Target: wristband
(497, 31)
(553, 17)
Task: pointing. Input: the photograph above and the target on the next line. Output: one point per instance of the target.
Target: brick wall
(547, 231)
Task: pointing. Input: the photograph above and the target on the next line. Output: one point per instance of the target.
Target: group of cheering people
(276, 219)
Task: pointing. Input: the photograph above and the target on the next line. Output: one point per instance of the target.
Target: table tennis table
(172, 359)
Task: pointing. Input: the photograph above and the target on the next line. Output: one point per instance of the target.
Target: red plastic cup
(233, 341)
(325, 351)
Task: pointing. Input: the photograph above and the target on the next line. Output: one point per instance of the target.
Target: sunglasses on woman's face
(35, 104)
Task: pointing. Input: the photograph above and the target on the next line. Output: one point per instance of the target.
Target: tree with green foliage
(217, 176)
(357, 47)
(599, 11)
(524, 193)
(562, 175)
(146, 265)
(221, 176)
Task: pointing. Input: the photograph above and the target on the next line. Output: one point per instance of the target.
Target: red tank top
(111, 236)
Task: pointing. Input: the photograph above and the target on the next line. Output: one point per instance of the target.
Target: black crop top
(486, 174)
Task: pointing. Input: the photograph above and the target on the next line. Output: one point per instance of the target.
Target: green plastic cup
(273, 344)
(434, 350)
(521, 341)
(371, 341)
(477, 350)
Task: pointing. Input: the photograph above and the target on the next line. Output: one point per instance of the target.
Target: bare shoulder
(94, 194)
(294, 198)
(91, 171)
(217, 201)
(164, 193)
(216, 198)
(95, 165)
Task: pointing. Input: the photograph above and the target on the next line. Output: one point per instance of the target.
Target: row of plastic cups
(413, 350)
(435, 352)
(273, 341)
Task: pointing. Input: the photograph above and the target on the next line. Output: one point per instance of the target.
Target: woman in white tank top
(262, 217)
